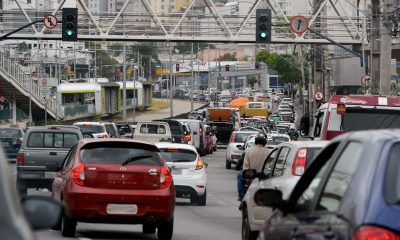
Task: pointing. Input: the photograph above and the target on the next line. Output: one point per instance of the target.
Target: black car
(125, 130)
(177, 130)
(350, 191)
(11, 139)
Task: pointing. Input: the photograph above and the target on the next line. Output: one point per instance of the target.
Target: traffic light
(263, 25)
(177, 67)
(227, 68)
(70, 24)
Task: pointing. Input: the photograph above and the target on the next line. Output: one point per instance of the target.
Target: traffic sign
(365, 79)
(44, 82)
(299, 24)
(319, 96)
(50, 21)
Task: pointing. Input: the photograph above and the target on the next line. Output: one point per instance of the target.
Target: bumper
(194, 185)
(233, 158)
(36, 179)
(90, 204)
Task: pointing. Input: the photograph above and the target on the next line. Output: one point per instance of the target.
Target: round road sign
(44, 82)
(318, 96)
(299, 24)
(50, 21)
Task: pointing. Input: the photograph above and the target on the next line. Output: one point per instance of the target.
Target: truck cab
(355, 113)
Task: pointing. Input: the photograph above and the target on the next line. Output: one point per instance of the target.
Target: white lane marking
(84, 238)
(222, 203)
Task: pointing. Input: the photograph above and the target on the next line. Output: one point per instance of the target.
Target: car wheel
(228, 165)
(202, 200)
(202, 153)
(149, 228)
(247, 234)
(215, 148)
(58, 226)
(165, 229)
(68, 227)
(22, 188)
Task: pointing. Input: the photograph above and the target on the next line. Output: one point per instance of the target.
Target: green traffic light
(263, 35)
(69, 33)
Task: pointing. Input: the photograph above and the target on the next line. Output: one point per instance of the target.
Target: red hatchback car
(116, 181)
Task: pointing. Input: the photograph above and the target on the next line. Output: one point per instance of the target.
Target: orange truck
(223, 121)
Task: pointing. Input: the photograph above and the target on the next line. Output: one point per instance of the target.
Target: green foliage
(116, 49)
(145, 49)
(22, 47)
(228, 57)
(283, 64)
(252, 80)
(105, 63)
(186, 47)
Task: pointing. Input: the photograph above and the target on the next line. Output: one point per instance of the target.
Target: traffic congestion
(337, 179)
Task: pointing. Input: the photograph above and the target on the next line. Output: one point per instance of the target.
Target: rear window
(10, 133)
(119, 153)
(311, 153)
(111, 130)
(52, 140)
(91, 128)
(280, 139)
(178, 155)
(392, 181)
(153, 129)
(175, 128)
(241, 137)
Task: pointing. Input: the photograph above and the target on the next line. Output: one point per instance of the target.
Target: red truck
(344, 113)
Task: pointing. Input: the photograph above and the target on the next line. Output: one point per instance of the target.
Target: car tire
(58, 226)
(228, 165)
(165, 229)
(247, 234)
(68, 228)
(202, 153)
(149, 228)
(202, 200)
(22, 188)
(215, 148)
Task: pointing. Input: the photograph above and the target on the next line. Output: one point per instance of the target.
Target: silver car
(235, 146)
(282, 169)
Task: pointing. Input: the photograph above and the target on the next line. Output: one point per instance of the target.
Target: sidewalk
(180, 107)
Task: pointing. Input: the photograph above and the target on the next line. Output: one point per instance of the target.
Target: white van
(153, 132)
(198, 131)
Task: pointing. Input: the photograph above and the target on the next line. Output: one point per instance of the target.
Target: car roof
(299, 144)
(93, 123)
(175, 145)
(255, 132)
(94, 140)
(372, 135)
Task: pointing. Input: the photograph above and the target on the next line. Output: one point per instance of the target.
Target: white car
(288, 101)
(281, 170)
(93, 129)
(188, 171)
(235, 147)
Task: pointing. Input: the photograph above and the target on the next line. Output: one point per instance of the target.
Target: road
(219, 219)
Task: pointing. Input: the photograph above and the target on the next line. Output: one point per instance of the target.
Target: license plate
(50, 174)
(122, 209)
(176, 171)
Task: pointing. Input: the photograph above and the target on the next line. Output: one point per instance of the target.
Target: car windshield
(362, 119)
(178, 155)
(119, 153)
(392, 181)
(10, 133)
(88, 128)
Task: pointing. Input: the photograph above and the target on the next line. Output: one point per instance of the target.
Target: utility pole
(171, 107)
(191, 81)
(124, 84)
(386, 48)
(303, 78)
(375, 44)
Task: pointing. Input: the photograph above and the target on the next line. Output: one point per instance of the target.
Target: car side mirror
(269, 198)
(52, 166)
(42, 212)
(250, 174)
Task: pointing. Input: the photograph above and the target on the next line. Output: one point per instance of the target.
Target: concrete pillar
(386, 50)
(14, 109)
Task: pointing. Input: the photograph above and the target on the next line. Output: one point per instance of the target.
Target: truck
(223, 121)
(345, 113)
(253, 109)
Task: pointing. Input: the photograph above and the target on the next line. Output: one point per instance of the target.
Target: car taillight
(165, 177)
(199, 164)
(233, 137)
(188, 138)
(374, 233)
(103, 136)
(78, 174)
(20, 159)
(299, 164)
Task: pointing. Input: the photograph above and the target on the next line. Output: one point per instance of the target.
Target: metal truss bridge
(211, 24)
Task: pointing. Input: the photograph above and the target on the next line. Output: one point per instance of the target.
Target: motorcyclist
(293, 134)
(254, 158)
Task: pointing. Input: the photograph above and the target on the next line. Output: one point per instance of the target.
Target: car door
(313, 213)
(259, 213)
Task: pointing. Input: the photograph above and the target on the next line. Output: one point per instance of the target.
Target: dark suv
(43, 148)
(177, 130)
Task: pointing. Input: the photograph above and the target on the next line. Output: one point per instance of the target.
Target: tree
(186, 47)
(284, 64)
(228, 57)
(252, 80)
(105, 63)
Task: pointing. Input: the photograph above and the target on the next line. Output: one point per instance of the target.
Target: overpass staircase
(15, 82)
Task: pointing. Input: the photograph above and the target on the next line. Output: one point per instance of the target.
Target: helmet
(260, 139)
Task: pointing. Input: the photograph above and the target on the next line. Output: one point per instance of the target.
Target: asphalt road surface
(219, 219)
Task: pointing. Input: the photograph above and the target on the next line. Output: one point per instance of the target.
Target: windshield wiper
(132, 159)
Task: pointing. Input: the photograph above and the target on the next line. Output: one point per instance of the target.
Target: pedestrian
(254, 158)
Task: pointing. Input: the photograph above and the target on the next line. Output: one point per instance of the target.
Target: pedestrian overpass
(18, 87)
